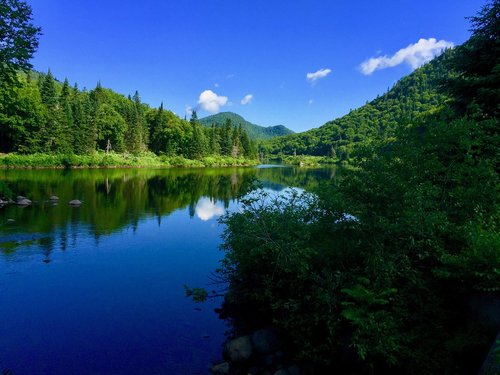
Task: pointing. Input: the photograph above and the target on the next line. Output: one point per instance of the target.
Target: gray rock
(221, 369)
(265, 341)
(10, 220)
(75, 202)
(2, 202)
(239, 349)
(54, 198)
(19, 197)
(23, 202)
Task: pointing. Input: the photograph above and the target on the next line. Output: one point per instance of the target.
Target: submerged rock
(54, 198)
(239, 349)
(75, 202)
(265, 341)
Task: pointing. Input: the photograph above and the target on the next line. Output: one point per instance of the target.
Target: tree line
(38, 114)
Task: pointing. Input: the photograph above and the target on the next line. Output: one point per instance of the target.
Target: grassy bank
(113, 160)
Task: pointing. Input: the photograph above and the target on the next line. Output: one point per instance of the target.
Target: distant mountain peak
(254, 131)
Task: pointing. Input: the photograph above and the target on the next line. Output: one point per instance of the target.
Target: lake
(98, 289)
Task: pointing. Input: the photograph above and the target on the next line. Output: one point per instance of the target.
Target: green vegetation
(40, 115)
(375, 274)
(410, 98)
(102, 159)
(19, 38)
(255, 132)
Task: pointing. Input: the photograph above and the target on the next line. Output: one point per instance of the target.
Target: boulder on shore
(75, 202)
(239, 349)
(265, 341)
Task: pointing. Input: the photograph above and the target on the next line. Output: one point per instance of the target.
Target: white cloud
(311, 101)
(313, 77)
(211, 102)
(207, 209)
(189, 110)
(414, 55)
(247, 99)
(216, 84)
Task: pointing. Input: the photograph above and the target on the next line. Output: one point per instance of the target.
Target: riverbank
(114, 160)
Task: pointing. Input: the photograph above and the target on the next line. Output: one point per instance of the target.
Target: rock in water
(75, 202)
(23, 202)
(221, 369)
(265, 341)
(239, 349)
(54, 198)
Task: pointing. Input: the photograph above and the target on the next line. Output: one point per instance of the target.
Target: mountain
(409, 98)
(253, 130)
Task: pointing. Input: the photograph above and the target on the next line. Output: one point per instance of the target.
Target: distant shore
(115, 160)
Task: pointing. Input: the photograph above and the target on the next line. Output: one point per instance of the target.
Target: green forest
(380, 271)
(410, 98)
(40, 115)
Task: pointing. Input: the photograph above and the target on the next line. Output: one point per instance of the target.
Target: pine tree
(236, 149)
(226, 143)
(213, 140)
(198, 146)
(66, 117)
(54, 138)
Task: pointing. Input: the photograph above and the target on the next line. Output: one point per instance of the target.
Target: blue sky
(175, 51)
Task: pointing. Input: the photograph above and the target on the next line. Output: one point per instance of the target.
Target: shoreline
(117, 161)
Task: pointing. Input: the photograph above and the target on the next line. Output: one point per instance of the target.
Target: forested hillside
(254, 131)
(39, 114)
(409, 98)
(393, 287)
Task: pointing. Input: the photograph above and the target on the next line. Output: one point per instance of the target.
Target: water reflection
(99, 288)
(207, 209)
(115, 199)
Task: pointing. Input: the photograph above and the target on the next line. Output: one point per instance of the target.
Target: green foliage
(44, 116)
(387, 261)
(408, 99)
(19, 38)
(112, 159)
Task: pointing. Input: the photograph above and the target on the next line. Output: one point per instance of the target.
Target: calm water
(98, 289)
